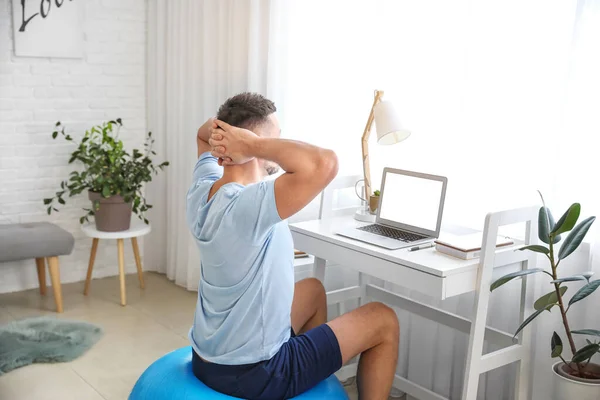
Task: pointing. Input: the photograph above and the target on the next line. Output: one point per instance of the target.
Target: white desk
(431, 273)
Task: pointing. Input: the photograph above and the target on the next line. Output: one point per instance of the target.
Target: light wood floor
(154, 322)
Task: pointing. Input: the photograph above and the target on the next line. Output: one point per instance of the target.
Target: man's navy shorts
(301, 363)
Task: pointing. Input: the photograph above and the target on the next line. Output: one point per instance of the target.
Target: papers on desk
(466, 247)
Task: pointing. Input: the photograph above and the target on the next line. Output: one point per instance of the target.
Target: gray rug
(44, 340)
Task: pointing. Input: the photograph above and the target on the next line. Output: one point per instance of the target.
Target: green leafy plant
(550, 233)
(376, 193)
(108, 168)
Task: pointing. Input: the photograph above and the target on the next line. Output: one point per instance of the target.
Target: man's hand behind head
(232, 145)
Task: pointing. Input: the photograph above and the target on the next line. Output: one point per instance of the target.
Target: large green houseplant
(579, 367)
(112, 176)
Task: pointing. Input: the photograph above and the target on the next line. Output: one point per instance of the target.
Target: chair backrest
(333, 192)
(495, 220)
(491, 259)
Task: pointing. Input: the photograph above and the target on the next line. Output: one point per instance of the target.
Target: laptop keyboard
(391, 233)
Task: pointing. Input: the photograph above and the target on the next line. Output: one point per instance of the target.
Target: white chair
(477, 362)
(329, 209)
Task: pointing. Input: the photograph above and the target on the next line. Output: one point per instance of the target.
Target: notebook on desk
(466, 247)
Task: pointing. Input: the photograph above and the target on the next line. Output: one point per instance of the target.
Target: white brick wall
(108, 83)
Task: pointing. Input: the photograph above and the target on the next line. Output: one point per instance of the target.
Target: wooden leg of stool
(55, 277)
(121, 270)
(138, 261)
(41, 271)
(88, 279)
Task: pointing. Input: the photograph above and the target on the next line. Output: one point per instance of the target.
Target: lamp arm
(365, 145)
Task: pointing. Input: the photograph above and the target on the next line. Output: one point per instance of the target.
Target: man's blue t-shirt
(247, 269)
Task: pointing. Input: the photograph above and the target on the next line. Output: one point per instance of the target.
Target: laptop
(410, 211)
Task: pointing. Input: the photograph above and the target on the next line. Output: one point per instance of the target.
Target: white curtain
(502, 97)
(574, 169)
(199, 54)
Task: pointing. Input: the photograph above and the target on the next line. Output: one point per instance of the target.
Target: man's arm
(206, 169)
(309, 169)
(202, 137)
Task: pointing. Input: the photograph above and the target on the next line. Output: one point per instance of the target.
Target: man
(256, 335)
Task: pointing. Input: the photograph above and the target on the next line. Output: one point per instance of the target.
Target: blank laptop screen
(411, 201)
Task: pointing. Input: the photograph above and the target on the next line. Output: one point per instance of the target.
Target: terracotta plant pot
(373, 204)
(113, 215)
(571, 387)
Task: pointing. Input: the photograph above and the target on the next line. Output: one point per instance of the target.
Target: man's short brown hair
(246, 110)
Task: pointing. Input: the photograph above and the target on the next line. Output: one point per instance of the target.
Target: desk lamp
(389, 131)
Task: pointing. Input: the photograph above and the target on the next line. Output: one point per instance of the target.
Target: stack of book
(299, 254)
(466, 247)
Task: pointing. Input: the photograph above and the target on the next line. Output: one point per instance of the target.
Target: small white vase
(571, 388)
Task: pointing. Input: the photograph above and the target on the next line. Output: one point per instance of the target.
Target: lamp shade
(388, 125)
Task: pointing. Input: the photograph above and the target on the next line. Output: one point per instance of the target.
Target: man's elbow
(328, 166)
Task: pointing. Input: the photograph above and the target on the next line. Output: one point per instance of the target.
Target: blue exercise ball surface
(170, 377)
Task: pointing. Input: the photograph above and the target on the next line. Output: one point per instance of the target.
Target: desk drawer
(398, 274)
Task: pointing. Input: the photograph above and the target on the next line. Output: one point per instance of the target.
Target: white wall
(108, 83)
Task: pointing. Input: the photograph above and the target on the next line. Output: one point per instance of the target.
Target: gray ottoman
(41, 241)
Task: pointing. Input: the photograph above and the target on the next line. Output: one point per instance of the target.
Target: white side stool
(137, 229)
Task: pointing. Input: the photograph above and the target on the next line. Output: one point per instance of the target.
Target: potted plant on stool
(112, 176)
(578, 378)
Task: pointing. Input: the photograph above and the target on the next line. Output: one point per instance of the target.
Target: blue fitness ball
(171, 378)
